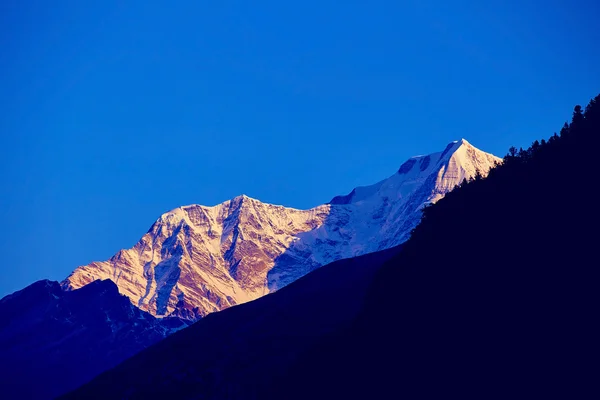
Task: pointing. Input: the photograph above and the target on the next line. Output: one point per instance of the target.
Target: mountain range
(195, 260)
(461, 275)
(494, 296)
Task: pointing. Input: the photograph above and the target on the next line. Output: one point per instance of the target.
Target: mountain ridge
(198, 259)
(60, 339)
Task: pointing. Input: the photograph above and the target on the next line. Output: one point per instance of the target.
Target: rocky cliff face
(195, 260)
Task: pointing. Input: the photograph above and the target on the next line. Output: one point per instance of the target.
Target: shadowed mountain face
(196, 260)
(248, 348)
(52, 341)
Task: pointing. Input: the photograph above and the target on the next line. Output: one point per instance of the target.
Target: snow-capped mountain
(195, 260)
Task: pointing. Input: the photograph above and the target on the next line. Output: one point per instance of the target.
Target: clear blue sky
(113, 114)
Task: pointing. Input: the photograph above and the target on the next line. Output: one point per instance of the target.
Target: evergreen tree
(564, 130)
(577, 116)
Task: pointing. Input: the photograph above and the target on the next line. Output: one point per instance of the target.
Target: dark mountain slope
(52, 341)
(494, 296)
(245, 349)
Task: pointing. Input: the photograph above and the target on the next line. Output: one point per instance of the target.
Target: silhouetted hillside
(495, 294)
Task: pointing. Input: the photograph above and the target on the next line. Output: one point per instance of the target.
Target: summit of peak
(419, 168)
(243, 197)
(241, 201)
(459, 142)
(453, 147)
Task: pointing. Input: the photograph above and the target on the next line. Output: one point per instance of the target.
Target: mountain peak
(196, 260)
(459, 158)
(242, 200)
(242, 197)
(41, 288)
(459, 142)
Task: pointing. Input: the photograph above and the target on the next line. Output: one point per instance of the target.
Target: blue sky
(113, 114)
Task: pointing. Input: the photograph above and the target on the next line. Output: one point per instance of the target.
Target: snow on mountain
(195, 260)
